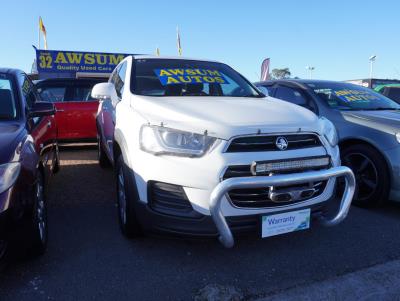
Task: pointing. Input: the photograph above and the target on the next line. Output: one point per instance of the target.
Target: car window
(78, 93)
(345, 96)
(70, 91)
(291, 95)
(28, 92)
(8, 105)
(177, 77)
(119, 80)
(52, 94)
(393, 93)
(114, 75)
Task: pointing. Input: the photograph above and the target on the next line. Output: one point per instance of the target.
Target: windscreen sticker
(348, 95)
(174, 76)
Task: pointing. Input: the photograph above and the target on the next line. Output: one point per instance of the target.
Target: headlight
(329, 131)
(8, 175)
(160, 140)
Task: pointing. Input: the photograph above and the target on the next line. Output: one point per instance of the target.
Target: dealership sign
(49, 61)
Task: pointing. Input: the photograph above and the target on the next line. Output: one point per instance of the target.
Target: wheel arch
(120, 147)
(352, 141)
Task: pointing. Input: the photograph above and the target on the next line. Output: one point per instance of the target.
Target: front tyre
(371, 172)
(37, 230)
(127, 195)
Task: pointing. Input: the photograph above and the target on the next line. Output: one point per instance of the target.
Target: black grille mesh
(259, 197)
(268, 143)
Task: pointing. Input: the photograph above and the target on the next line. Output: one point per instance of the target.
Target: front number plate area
(285, 222)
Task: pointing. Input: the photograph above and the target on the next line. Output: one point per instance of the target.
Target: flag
(265, 69)
(178, 41)
(43, 30)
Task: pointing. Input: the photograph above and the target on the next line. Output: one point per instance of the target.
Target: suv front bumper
(217, 195)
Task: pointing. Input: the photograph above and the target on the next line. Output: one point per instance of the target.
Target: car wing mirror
(263, 90)
(40, 109)
(104, 91)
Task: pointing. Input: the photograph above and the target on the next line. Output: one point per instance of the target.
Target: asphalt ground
(89, 259)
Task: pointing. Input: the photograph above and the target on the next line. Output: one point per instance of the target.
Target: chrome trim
(225, 234)
(308, 202)
(226, 146)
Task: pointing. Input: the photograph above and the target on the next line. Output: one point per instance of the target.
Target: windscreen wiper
(382, 109)
(252, 95)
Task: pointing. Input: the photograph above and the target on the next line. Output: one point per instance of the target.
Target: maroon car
(28, 156)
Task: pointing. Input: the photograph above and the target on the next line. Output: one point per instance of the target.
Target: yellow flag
(43, 30)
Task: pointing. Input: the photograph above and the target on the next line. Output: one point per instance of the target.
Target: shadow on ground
(88, 258)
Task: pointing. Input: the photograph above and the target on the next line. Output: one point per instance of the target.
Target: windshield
(344, 96)
(169, 77)
(8, 108)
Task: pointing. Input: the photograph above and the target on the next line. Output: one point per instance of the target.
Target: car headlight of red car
(8, 175)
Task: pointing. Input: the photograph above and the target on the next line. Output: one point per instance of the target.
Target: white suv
(198, 150)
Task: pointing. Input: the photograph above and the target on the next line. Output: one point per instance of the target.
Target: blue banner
(54, 61)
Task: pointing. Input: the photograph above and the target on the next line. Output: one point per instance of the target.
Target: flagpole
(178, 41)
(39, 34)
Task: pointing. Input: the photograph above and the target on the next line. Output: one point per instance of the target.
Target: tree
(280, 73)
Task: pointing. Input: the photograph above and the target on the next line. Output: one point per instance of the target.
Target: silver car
(368, 124)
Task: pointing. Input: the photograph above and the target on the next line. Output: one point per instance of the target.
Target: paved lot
(89, 259)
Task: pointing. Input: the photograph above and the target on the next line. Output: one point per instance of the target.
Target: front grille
(268, 143)
(259, 197)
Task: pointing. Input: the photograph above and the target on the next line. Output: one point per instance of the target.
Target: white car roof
(142, 56)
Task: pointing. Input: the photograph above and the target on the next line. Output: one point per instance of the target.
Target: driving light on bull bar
(160, 140)
(265, 168)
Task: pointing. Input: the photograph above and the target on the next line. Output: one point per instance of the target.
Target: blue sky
(337, 37)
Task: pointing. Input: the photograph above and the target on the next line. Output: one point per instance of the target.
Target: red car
(76, 109)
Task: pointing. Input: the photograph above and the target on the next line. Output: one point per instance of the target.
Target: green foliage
(280, 73)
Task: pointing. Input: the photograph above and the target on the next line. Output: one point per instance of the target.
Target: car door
(295, 96)
(109, 106)
(42, 129)
(55, 93)
(82, 109)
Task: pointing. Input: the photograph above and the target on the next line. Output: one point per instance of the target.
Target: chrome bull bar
(225, 234)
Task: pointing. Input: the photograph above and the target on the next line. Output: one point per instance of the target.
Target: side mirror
(104, 91)
(263, 90)
(40, 109)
